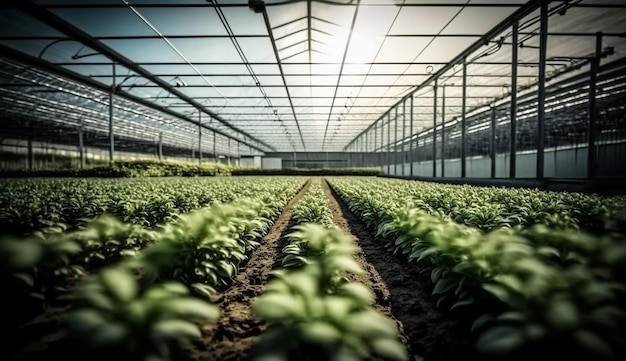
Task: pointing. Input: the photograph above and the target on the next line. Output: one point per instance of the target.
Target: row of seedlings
(119, 308)
(314, 311)
(34, 204)
(554, 290)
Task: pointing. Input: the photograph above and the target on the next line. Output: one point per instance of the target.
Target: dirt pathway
(405, 293)
(237, 329)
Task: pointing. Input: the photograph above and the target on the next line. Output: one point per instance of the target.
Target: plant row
(163, 168)
(530, 289)
(129, 169)
(489, 208)
(314, 311)
(27, 205)
(199, 252)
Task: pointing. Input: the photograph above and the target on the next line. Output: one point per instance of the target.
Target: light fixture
(258, 6)
(179, 82)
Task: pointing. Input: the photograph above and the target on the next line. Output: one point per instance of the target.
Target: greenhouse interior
(314, 180)
(448, 89)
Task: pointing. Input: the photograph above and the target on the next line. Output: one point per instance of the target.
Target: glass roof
(288, 75)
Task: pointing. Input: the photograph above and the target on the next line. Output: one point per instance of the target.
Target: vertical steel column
(230, 152)
(492, 142)
(160, 145)
(215, 147)
(111, 135)
(238, 153)
(593, 109)
(411, 136)
(435, 129)
(513, 110)
(404, 156)
(463, 120)
(199, 136)
(81, 146)
(395, 143)
(375, 131)
(443, 131)
(388, 142)
(541, 91)
(363, 149)
(382, 142)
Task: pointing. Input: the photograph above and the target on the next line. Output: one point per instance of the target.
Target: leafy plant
(115, 317)
(316, 314)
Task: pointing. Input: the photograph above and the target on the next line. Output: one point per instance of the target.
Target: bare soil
(403, 293)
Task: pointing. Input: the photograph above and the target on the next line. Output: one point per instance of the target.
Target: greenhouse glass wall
(449, 90)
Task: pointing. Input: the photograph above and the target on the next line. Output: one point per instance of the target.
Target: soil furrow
(430, 334)
(237, 328)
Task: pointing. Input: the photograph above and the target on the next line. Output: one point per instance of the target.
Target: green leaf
(562, 313)
(371, 325)
(120, 283)
(204, 290)
(192, 309)
(435, 274)
(463, 302)
(500, 340)
(278, 307)
(320, 333)
(443, 285)
(359, 292)
(481, 321)
(593, 343)
(347, 264)
(390, 349)
(176, 329)
(83, 321)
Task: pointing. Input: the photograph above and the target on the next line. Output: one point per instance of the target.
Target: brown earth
(403, 293)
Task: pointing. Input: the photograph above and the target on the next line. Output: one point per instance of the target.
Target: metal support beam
(215, 147)
(593, 109)
(443, 131)
(44, 15)
(111, 133)
(395, 143)
(411, 136)
(492, 142)
(435, 128)
(513, 110)
(521, 12)
(279, 63)
(463, 120)
(363, 147)
(199, 136)
(403, 152)
(541, 83)
(388, 142)
(81, 147)
(160, 145)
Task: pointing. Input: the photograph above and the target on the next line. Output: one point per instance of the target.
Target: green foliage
(311, 172)
(316, 314)
(205, 247)
(129, 169)
(114, 316)
(551, 267)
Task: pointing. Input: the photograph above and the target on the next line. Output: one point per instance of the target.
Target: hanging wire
(240, 51)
